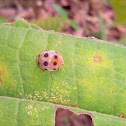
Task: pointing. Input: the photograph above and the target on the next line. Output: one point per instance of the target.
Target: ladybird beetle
(50, 60)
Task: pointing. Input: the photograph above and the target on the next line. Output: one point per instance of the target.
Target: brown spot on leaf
(57, 102)
(2, 72)
(121, 115)
(0, 82)
(74, 105)
(97, 59)
(65, 117)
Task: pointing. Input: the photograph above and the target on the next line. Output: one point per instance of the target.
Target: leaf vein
(19, 62)
(74, 71)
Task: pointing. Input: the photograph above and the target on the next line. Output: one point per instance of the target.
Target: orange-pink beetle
(50, 60)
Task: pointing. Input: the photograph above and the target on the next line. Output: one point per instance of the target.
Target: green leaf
(63, 14)
(92, 78)
(60, 10)
(3, 20)
(119, 7)
(74, 25)
(52, 23)
(22, 112)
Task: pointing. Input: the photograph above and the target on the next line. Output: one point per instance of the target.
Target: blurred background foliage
(3, 20)
(103, 19)
(52, 23)
(63, 14)
(119, 6)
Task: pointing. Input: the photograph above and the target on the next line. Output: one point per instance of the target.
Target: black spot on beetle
(45, 69)
(54, 69)
(55, 57)
(45, 63)
(55, 63)
(46, 55)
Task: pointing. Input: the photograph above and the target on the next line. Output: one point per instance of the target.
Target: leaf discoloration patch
(0, 81)
(97, 59)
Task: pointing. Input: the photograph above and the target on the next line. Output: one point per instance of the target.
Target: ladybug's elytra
(50, 60)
